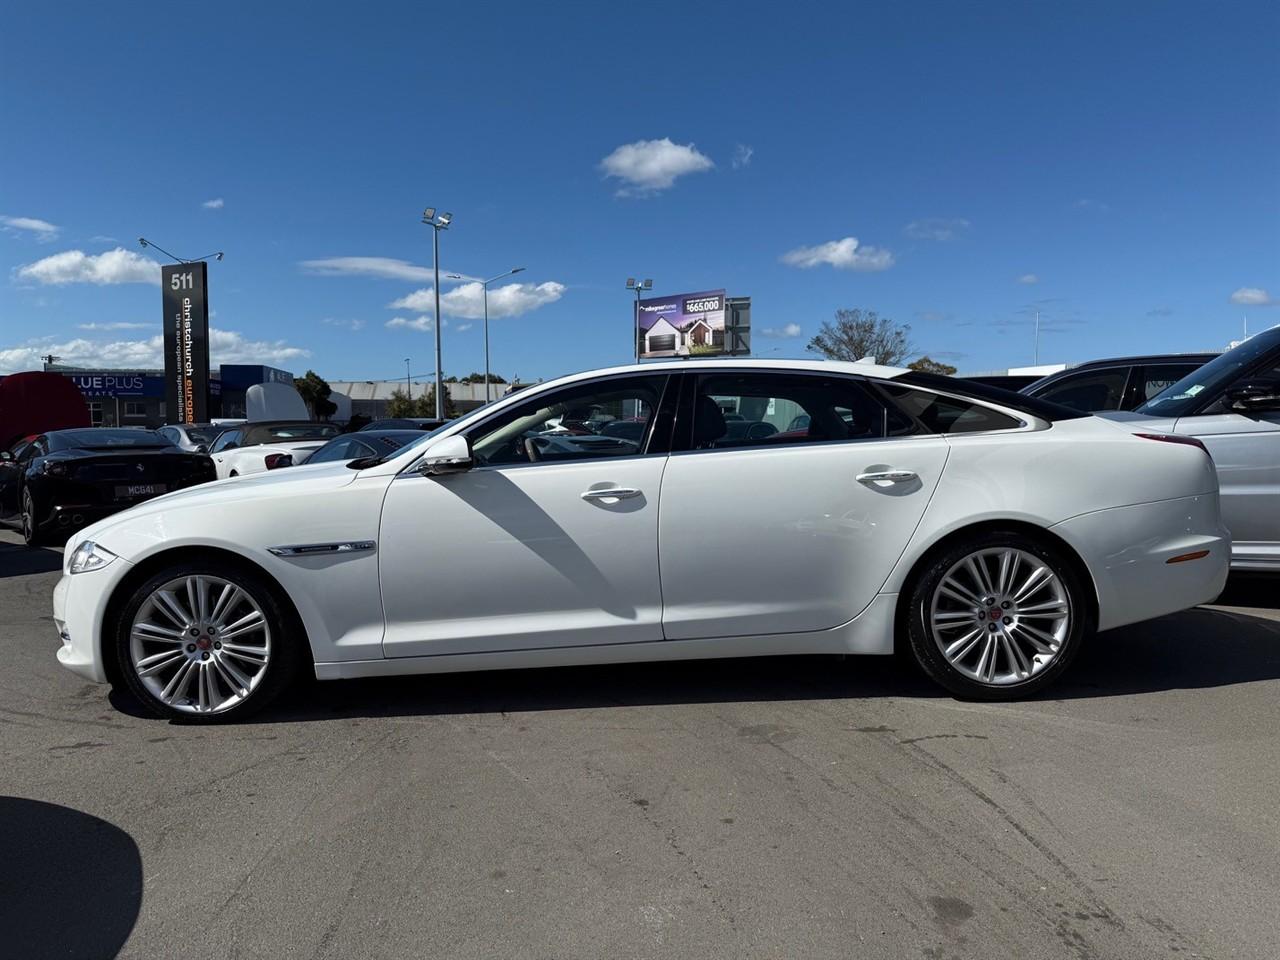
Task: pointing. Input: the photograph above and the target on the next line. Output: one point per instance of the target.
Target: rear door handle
(610, 493)
(891, 476)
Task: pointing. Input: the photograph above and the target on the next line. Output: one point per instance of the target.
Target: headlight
(89, 556)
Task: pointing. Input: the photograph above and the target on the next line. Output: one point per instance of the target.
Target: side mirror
(450, 455)
(1259, 395)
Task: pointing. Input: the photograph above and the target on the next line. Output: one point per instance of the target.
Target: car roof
(875, 370)
(391, 433)
(1147, 358)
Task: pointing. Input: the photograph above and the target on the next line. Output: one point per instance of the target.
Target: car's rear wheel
(30, 521)
(206, 641)
(998, 616)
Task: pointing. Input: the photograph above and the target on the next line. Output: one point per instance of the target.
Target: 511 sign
(185, 290)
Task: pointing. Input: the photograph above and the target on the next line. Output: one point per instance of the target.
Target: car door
(1246, 450)
(227, 441)
(11, 470)
(795, 530)
(549, 540)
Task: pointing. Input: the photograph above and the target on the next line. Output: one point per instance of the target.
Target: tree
(400, 405)
(479, 378)
(315, 392)
(929, 365)
(425, 405)
(858, 333)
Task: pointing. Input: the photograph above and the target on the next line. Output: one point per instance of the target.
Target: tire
(234, 663)
(31, 535)
(1017, 637)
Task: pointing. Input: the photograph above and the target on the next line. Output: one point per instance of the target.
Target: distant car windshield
(275, 433)
(1179, 399)
(203, 434)
(104, 437)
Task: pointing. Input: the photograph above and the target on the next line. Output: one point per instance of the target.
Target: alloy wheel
(1000, 615)
(200, 644)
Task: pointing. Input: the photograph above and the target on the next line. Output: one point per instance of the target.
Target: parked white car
(993, 534)
(255, 447)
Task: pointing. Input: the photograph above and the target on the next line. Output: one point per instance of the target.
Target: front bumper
(1127, 550)
(79, 610)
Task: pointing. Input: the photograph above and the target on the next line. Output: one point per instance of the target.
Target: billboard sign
(185, 290)
(684, 325)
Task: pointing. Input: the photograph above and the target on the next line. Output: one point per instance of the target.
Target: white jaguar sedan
(991, 534)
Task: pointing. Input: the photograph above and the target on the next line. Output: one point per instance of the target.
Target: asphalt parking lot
(798, 808)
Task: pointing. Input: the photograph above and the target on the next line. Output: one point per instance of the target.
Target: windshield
(1179, 399)
(291, 431)
(102, 437)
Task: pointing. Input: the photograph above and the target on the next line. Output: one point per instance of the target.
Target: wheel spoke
(227, 601)
(246, 624)
(195, 599)
(954, 589)
(958, 649)
(255, 655)
(1008, 563)
(978, 571)
(1037, 579)
(240, 680)
(987, 662)
(178, 682)
(154, 632)
(1048, 609)
(1017, 659)
(167, 604)
(1038, 635)
(158, 662)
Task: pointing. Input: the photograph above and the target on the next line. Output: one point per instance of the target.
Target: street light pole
(638, 286)
(437, 223)
(408, 385)
(485, 284)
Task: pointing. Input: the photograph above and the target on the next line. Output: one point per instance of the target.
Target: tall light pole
(638, 286)
(408, 385)
(437, 223)
(485, 284)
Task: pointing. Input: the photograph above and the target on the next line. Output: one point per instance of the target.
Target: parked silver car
(1232, 406)
(191, 437)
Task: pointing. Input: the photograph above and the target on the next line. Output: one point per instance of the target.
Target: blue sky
(952, 166)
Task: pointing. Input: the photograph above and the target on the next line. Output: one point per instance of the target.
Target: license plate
(133, 491)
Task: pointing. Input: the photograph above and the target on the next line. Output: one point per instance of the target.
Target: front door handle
(889, 476)
(610, 493)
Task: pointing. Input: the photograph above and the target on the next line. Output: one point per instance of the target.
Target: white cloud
(102, 238)
(781, 333)
(215, 204)
(742, 155)
(421, 324)
(1096, 205)
(463, 327)
(43, 229)
(936, 228)
(225, 346)
(352, 325)
(76, 266)
(846, 254)
(1253, 297)
(467, 300)
(116, 326)
(385, 267)
(648, 166)
(1028, 278)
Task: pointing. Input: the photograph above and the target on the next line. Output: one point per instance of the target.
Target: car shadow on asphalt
(17, 560)
(70, 884)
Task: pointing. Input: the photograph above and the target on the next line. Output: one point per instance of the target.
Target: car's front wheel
(998, 616)
(206, 641)
(30, 521)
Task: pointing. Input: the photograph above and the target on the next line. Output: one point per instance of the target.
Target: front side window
(1154, 380)
(940, 414)
(774, 409)
(227, 441)
(1087, 392)
(610, 418)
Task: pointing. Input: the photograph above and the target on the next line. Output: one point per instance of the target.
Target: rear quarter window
(940, 414)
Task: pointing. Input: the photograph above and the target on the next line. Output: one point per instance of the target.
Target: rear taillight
(275, 460)
(1174, 438)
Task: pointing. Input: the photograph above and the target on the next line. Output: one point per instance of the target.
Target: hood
(289, 482)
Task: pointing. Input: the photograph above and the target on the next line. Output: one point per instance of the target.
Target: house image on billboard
(682, 326)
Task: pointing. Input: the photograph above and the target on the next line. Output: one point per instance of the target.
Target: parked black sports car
(63, 479)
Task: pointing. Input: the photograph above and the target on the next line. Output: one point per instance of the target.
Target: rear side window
(939, 414)
(968, 389)
(774, 409)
